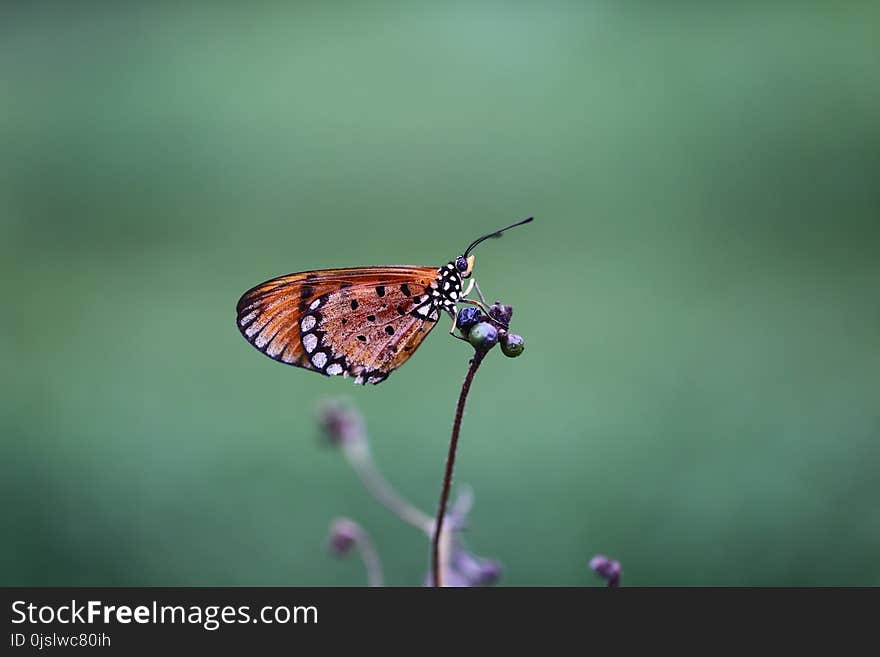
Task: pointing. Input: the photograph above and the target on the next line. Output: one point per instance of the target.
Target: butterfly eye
(461, 264)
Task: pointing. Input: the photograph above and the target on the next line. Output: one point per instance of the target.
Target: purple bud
(478, 571)
(501, 313)
(467, 317)
(344, 535)
(608, 569)
(340, 423)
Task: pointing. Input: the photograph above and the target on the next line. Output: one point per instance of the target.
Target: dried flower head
(340, 422)
(344, 536)
(501, 313)
(608, 569)
(347, 537)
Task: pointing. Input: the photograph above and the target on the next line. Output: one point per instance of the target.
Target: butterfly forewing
(363, 322)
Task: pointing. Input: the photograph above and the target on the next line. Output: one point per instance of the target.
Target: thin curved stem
(450, 465)
(361, 461)
(372, 564)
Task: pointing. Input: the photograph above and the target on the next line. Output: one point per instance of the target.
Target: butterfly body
(362, 322)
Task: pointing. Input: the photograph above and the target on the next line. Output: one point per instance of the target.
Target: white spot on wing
(308, 322)
(315, 304)
(244, 320)
(319, 359)
(275, 348)
(310, 341)
(334, 369)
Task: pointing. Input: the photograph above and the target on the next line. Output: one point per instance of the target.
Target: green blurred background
(700, 395)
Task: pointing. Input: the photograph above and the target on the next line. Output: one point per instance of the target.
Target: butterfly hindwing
(363, 322)
(377, 334)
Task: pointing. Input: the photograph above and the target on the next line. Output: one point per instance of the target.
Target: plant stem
(361, 461)
(370, 557)
(450, 465)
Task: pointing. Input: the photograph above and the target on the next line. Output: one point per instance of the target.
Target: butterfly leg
(470, 287)
(479, 291)
(454, 313)
(481, 303)
(474, 302)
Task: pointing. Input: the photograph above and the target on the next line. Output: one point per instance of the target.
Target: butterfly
(362, 322)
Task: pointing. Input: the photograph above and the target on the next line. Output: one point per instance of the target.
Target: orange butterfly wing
(363, 322)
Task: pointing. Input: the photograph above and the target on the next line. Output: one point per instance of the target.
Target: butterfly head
(464, 265)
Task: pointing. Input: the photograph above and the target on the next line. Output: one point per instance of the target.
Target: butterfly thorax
(442, 294)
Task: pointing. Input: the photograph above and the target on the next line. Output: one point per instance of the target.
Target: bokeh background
(700, 394)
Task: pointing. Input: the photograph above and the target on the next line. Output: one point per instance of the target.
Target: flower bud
(468, 317)
(608, 569)
(501, 313)
(344, 535)
(483, 336)
(512, 344)
(477, 571)
(340, 423)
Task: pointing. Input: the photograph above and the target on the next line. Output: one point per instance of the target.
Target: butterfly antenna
(497, 233)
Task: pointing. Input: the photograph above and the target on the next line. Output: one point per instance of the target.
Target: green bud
(512, 344)
(483, 336)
